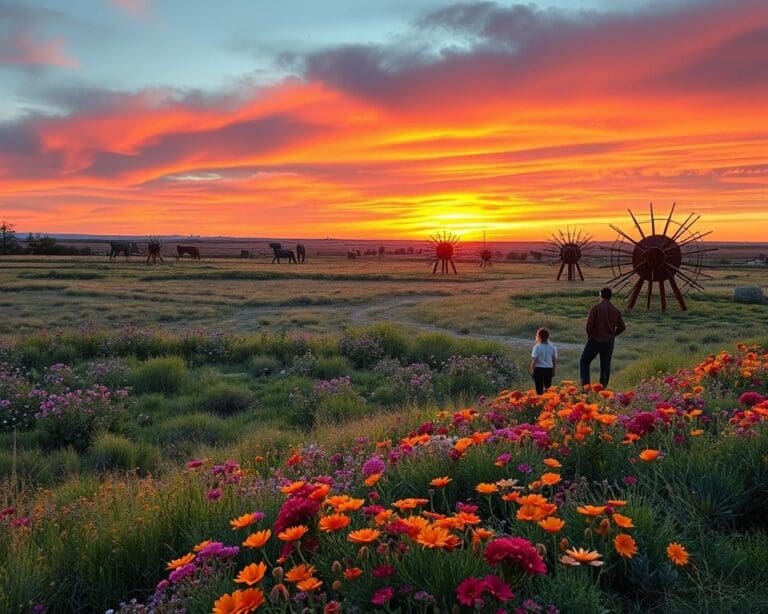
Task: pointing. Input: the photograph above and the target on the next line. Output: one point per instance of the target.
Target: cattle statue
(122, 247)
(188, 250)
(279, 252)
(301, 253)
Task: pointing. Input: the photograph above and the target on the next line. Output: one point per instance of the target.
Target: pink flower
(194, 463)
(470, 592)
(515, 553)
(751, 398)
(498, 588)
(213, 494)
(383, 595)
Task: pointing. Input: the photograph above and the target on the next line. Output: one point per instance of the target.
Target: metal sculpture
(445, 246)
(301, 253)
(485, 255)
(187, 250)
(676, 252)
(154, 247)
(279, 253)
(122, 247)
(569, 249)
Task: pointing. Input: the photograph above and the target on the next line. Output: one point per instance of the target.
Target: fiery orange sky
(511, 119)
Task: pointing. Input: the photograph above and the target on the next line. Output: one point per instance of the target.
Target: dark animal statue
(245, 253)
(153, 252)
(279, 252)
(351, 255)
(187, 250)
(122, 247)
(485, 258)
(301, 253)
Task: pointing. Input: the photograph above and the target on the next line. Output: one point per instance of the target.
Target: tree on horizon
(9, 244)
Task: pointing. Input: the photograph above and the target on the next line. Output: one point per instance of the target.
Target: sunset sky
(382, 118)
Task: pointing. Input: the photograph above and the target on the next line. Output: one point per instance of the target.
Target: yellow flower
(677, 554)
(625, 545)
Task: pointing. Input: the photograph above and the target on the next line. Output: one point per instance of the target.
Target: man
(604, 323)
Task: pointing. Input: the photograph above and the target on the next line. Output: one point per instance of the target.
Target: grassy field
(327, 295)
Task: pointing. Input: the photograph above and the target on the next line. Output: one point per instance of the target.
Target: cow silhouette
(189, 250)
(122, 247)
(279, 252)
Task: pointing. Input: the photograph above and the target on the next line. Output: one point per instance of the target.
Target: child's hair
(542, 335)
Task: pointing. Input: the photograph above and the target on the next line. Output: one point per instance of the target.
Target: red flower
(515, 553)
(383, 595)
(470, 592)
(751, 398)
(498, 588)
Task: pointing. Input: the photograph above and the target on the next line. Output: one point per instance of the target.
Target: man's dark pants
(592, 349)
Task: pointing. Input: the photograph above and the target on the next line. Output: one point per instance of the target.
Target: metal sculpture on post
(486, 255)
(445, 246)
(569, 249)
(154, 247)
(670, 255)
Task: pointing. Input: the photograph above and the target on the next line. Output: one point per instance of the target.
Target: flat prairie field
(330, 294)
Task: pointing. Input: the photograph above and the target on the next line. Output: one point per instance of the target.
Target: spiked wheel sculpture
(659, 258)
(445, 246)
(569, 249)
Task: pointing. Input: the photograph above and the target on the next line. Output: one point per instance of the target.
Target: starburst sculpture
(670, 255)
(445, 246)
(570, 248)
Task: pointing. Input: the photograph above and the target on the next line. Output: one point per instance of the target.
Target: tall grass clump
(225, 399)
(166, 375)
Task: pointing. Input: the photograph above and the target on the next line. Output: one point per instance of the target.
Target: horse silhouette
(189, 250)
(301, 253)
(279, 252)
(122, 247)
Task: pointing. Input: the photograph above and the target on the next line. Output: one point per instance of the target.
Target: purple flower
(213, 494)
(181, 573)
(524, 468)
(373, 465)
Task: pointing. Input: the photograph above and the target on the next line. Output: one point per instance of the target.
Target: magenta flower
(470, 592)
(383, 595)
(498, 588)
(213, 494)
(515, 553)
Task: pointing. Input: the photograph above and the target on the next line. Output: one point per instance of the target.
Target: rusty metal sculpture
(154, 247)
(445, 246)
(486, 255)
(569, 249)
(664, 257)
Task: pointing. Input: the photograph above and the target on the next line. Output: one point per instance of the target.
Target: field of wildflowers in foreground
(577, 500)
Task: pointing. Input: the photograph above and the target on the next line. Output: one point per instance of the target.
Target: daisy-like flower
(552, 524)
(249, 600)
(440, 482)
(552, 463)
(364, 536)
(241, 522)
(372, 479)
(486, 489)
(409, 503)
(433, 536)
(677, 554)
(258, 539)
(226, 604)
(292, 534)
(616, 502)
(293, 487)
(579, 556)
(350, 573)
(480, 534)
(344, 503)
(591, 510)
(625, 545)
(648, 455)
(532, 499)
(468, 518)
(550, 479)
(300, 572)
(251, 574)
(181, 561)
(202, 545)
(333, 523)
(309, 585)
(625, 522)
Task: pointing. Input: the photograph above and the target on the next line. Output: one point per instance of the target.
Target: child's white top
(545, 354)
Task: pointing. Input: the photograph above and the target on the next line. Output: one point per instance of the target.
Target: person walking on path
(604, 324)
(543, 361)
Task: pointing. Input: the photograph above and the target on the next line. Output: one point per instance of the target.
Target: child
(543, 361)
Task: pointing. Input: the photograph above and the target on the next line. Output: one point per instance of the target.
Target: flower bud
(564, 544)
(362, 554)
(336, 585)
(278, 592)
(277, 574)
(336, 567)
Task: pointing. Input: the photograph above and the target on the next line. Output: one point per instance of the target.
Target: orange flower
(552, 463)
(258, 539)
(486, 489)
(649, 455)
(251, 574)
(372, 479)
(249, 600)
(591, 510)
(550, 479)
(364, 536)
(350, 573)
(579, 556)
(409, 504)
(697, 432)
(677, 554)
(552, 524)
(383, 517)
(309, 585)
(616, 502)
(333, 523)
(532, 499)
(293, 487)
(202, 545)
(226, 604)
(181, 561)
(320, 492)
(292, 534)
(440, 482)
(625, 545)
(625, 522)
(512, 496)
(433, 536)
(450, 523)
(481, 534)
(530, 513)
(300, 572)
(468, 518)
(246, 520)
(344, 503)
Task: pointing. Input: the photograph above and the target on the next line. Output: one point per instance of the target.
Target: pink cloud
(22, 49)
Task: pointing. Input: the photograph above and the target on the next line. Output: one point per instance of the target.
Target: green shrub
(195, 428)
(339, 408)
(115, 453)
(328, 367)
(166, 375)
(263, 364)
(37, 467)
(225, 399)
